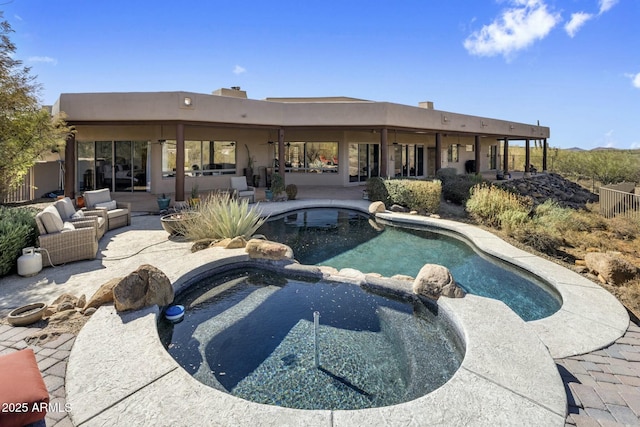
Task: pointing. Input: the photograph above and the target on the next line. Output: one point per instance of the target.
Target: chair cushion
(65, 208)
(50, 218)
(239, 183)
(110, 205)
(115, 213)
(67, 226)
(21, 383)
(93, 197)
(78, 215)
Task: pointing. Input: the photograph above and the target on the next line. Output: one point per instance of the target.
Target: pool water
(342, 238)
(250, 333)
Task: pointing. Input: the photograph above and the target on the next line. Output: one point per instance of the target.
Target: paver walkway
(52, 360)
(603, 387)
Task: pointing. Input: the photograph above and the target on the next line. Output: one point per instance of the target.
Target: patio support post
(544, 155)
(505, 160)
(438, 152)
(477, 152)
(70, 166)
(527, 158)
(384, 153)
(281, 157)
(180, 162)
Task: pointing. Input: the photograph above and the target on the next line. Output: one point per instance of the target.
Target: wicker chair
(68, 212)
(118, 213)
(65, 242)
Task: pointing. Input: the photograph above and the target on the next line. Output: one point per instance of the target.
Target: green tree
(27, 130)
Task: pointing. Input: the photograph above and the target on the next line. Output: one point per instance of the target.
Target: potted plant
(163, 202)
(292, 191)
(277, 184)
(195, 198)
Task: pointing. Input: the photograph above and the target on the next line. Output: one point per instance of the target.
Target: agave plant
(220, 216)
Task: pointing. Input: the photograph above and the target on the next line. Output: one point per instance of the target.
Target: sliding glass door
(117, 165)
(364, 161)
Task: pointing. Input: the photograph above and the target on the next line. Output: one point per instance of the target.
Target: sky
(572, 65)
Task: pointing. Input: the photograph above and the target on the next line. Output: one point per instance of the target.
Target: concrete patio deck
(598, 355)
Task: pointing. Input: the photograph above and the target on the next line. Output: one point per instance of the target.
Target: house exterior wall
(154, 117)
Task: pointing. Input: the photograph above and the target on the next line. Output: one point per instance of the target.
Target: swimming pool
(343, 238)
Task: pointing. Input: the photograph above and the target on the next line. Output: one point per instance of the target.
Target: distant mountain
(574, 149)
(604, 149)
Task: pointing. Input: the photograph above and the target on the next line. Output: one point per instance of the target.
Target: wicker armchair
(118, 213)
(65, 242)
(68, 212)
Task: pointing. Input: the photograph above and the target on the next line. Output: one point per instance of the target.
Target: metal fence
(24, 192)
(620, 199)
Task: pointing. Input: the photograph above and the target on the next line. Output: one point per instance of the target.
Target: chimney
(428, 105)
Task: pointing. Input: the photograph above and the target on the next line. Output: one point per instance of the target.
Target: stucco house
(168, 142)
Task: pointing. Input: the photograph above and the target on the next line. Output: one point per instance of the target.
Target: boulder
(376, 207)
(142, 288)
(104, 294)
(610, 268)
(399, 208)
(266, 249)
(434, 281)
(236, 243)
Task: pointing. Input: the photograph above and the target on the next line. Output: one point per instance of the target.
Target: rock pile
(543, 187)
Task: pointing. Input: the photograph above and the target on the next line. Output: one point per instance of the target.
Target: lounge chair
(65, 241)
(241, 189)
(68, 212)
(118, 213)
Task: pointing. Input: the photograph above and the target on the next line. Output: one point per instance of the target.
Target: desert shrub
(218, 217)
(411, 193)
(292, 191)
(444, 173)
(511, 220)
(377, 190)
(538, 238)
(457, 188)
(488, 202)
(624, 228)
(17, 230)
(551, 215)
(423, 196)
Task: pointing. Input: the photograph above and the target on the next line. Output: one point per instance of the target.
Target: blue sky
(574, 65)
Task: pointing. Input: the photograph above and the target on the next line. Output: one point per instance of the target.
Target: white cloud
(576, 22)
(515, 29)
(635, 79)
(605, 5)
(239, 70)
(45, 59)
(18, 17)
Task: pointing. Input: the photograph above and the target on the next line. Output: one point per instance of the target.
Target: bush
(292, 191)
(488, 202)
(624, 228)
(538, 238)
(17, 230)
(457, 188)
(414, 194)
(220, 217)
(511, 221)
(377, 190)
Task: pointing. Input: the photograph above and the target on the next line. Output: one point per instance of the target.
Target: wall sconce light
(512, 127)
(483, 124)
(187, 101)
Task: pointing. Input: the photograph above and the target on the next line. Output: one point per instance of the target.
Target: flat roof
(328, 112)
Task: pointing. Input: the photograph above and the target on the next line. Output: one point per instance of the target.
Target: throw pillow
(108, 205)
(77, 215)
(51, 220)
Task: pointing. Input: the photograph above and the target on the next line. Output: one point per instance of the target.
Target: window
(452, 153)
(201, 158)
(309, 156)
